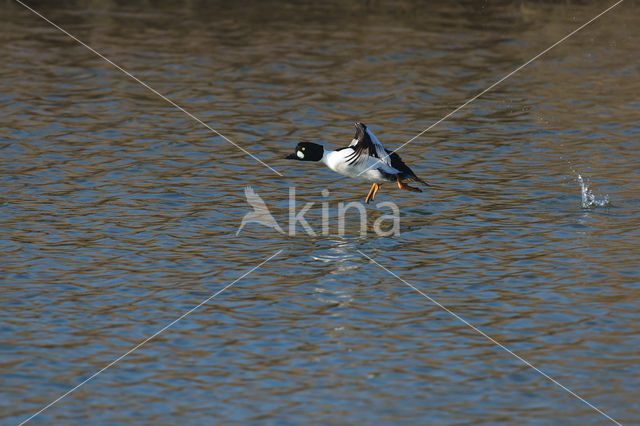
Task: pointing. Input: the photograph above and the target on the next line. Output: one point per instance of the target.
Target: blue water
(119, 215)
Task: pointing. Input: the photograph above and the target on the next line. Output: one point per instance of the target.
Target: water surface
(118, 214)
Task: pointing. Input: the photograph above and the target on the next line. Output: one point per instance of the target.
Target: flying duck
(365, 159)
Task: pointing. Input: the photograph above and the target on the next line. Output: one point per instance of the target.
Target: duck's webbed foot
(406, 187)
(372, 192)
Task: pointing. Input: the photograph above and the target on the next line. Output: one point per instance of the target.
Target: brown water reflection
(119, 213)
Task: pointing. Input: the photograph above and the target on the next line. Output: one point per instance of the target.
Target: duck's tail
(417, 179)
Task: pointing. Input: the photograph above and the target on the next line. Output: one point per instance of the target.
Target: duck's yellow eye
(304, 147)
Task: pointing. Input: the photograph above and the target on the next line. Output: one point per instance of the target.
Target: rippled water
(119, 214)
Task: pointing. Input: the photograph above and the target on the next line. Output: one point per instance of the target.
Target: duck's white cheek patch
(300, 155)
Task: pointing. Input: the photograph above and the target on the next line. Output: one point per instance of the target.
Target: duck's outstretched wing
(365, 145)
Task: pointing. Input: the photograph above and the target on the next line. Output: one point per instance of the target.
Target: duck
(365, 159)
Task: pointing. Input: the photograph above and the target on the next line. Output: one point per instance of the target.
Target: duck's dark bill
(291, 157)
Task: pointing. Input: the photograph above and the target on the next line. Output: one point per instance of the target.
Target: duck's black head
(307, 151)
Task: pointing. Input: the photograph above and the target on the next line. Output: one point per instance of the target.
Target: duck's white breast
(365, 171)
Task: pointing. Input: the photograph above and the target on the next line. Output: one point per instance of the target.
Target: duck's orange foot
(372, 192)
(406, 187)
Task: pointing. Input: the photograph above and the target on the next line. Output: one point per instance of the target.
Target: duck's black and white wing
(365, 145)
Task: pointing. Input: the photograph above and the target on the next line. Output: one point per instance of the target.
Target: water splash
(589, 199)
